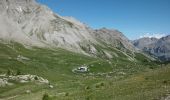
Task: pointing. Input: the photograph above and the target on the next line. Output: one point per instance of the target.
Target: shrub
(36, 78)
(102, 84)
(165, 82)
(97, 86)
(9, 72)
(66, 94)
(87, 87)
(46, 97)
(151, 67)
(87, 98)
(146, 78)
(18, 72)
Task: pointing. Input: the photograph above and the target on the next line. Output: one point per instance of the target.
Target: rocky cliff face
(27, 22)
(157, 47)
(144, 42)
(113, 38)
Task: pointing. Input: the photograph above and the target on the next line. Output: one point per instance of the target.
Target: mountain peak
(15, 1)
(33, 23)
(16, 5)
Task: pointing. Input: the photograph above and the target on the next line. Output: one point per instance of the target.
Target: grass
(108, 79)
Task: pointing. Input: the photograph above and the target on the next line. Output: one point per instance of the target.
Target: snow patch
(156, 35)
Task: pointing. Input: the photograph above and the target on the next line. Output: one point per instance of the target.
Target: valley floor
(150, 85)
(107, 80)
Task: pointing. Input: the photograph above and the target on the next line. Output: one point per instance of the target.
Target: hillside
(105, 77)
(33, 24)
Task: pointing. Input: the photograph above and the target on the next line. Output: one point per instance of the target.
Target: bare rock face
(3, 82)
(113, 38)
(144, 42)
(27, 22)
(14, 14)
(157, 47)
(6, 80)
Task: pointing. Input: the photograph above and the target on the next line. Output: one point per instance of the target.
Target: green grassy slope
(117, 78)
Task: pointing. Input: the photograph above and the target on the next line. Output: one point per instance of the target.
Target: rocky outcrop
(144, 42)
(3, 82)
(113, 38)
(7, 80)
(28, 78)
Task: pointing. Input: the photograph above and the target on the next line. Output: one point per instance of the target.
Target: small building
(82, 69)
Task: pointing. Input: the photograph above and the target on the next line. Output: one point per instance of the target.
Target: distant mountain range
(156, 47)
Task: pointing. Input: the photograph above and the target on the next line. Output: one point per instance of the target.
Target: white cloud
(149, 35)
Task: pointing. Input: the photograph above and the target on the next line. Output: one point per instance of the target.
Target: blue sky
(135, 18)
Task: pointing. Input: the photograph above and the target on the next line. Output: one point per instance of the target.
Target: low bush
(46, 97)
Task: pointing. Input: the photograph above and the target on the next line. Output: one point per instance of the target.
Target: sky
(135, 18)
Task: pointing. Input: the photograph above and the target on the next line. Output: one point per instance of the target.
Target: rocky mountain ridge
(30, 23)
(157, 47)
